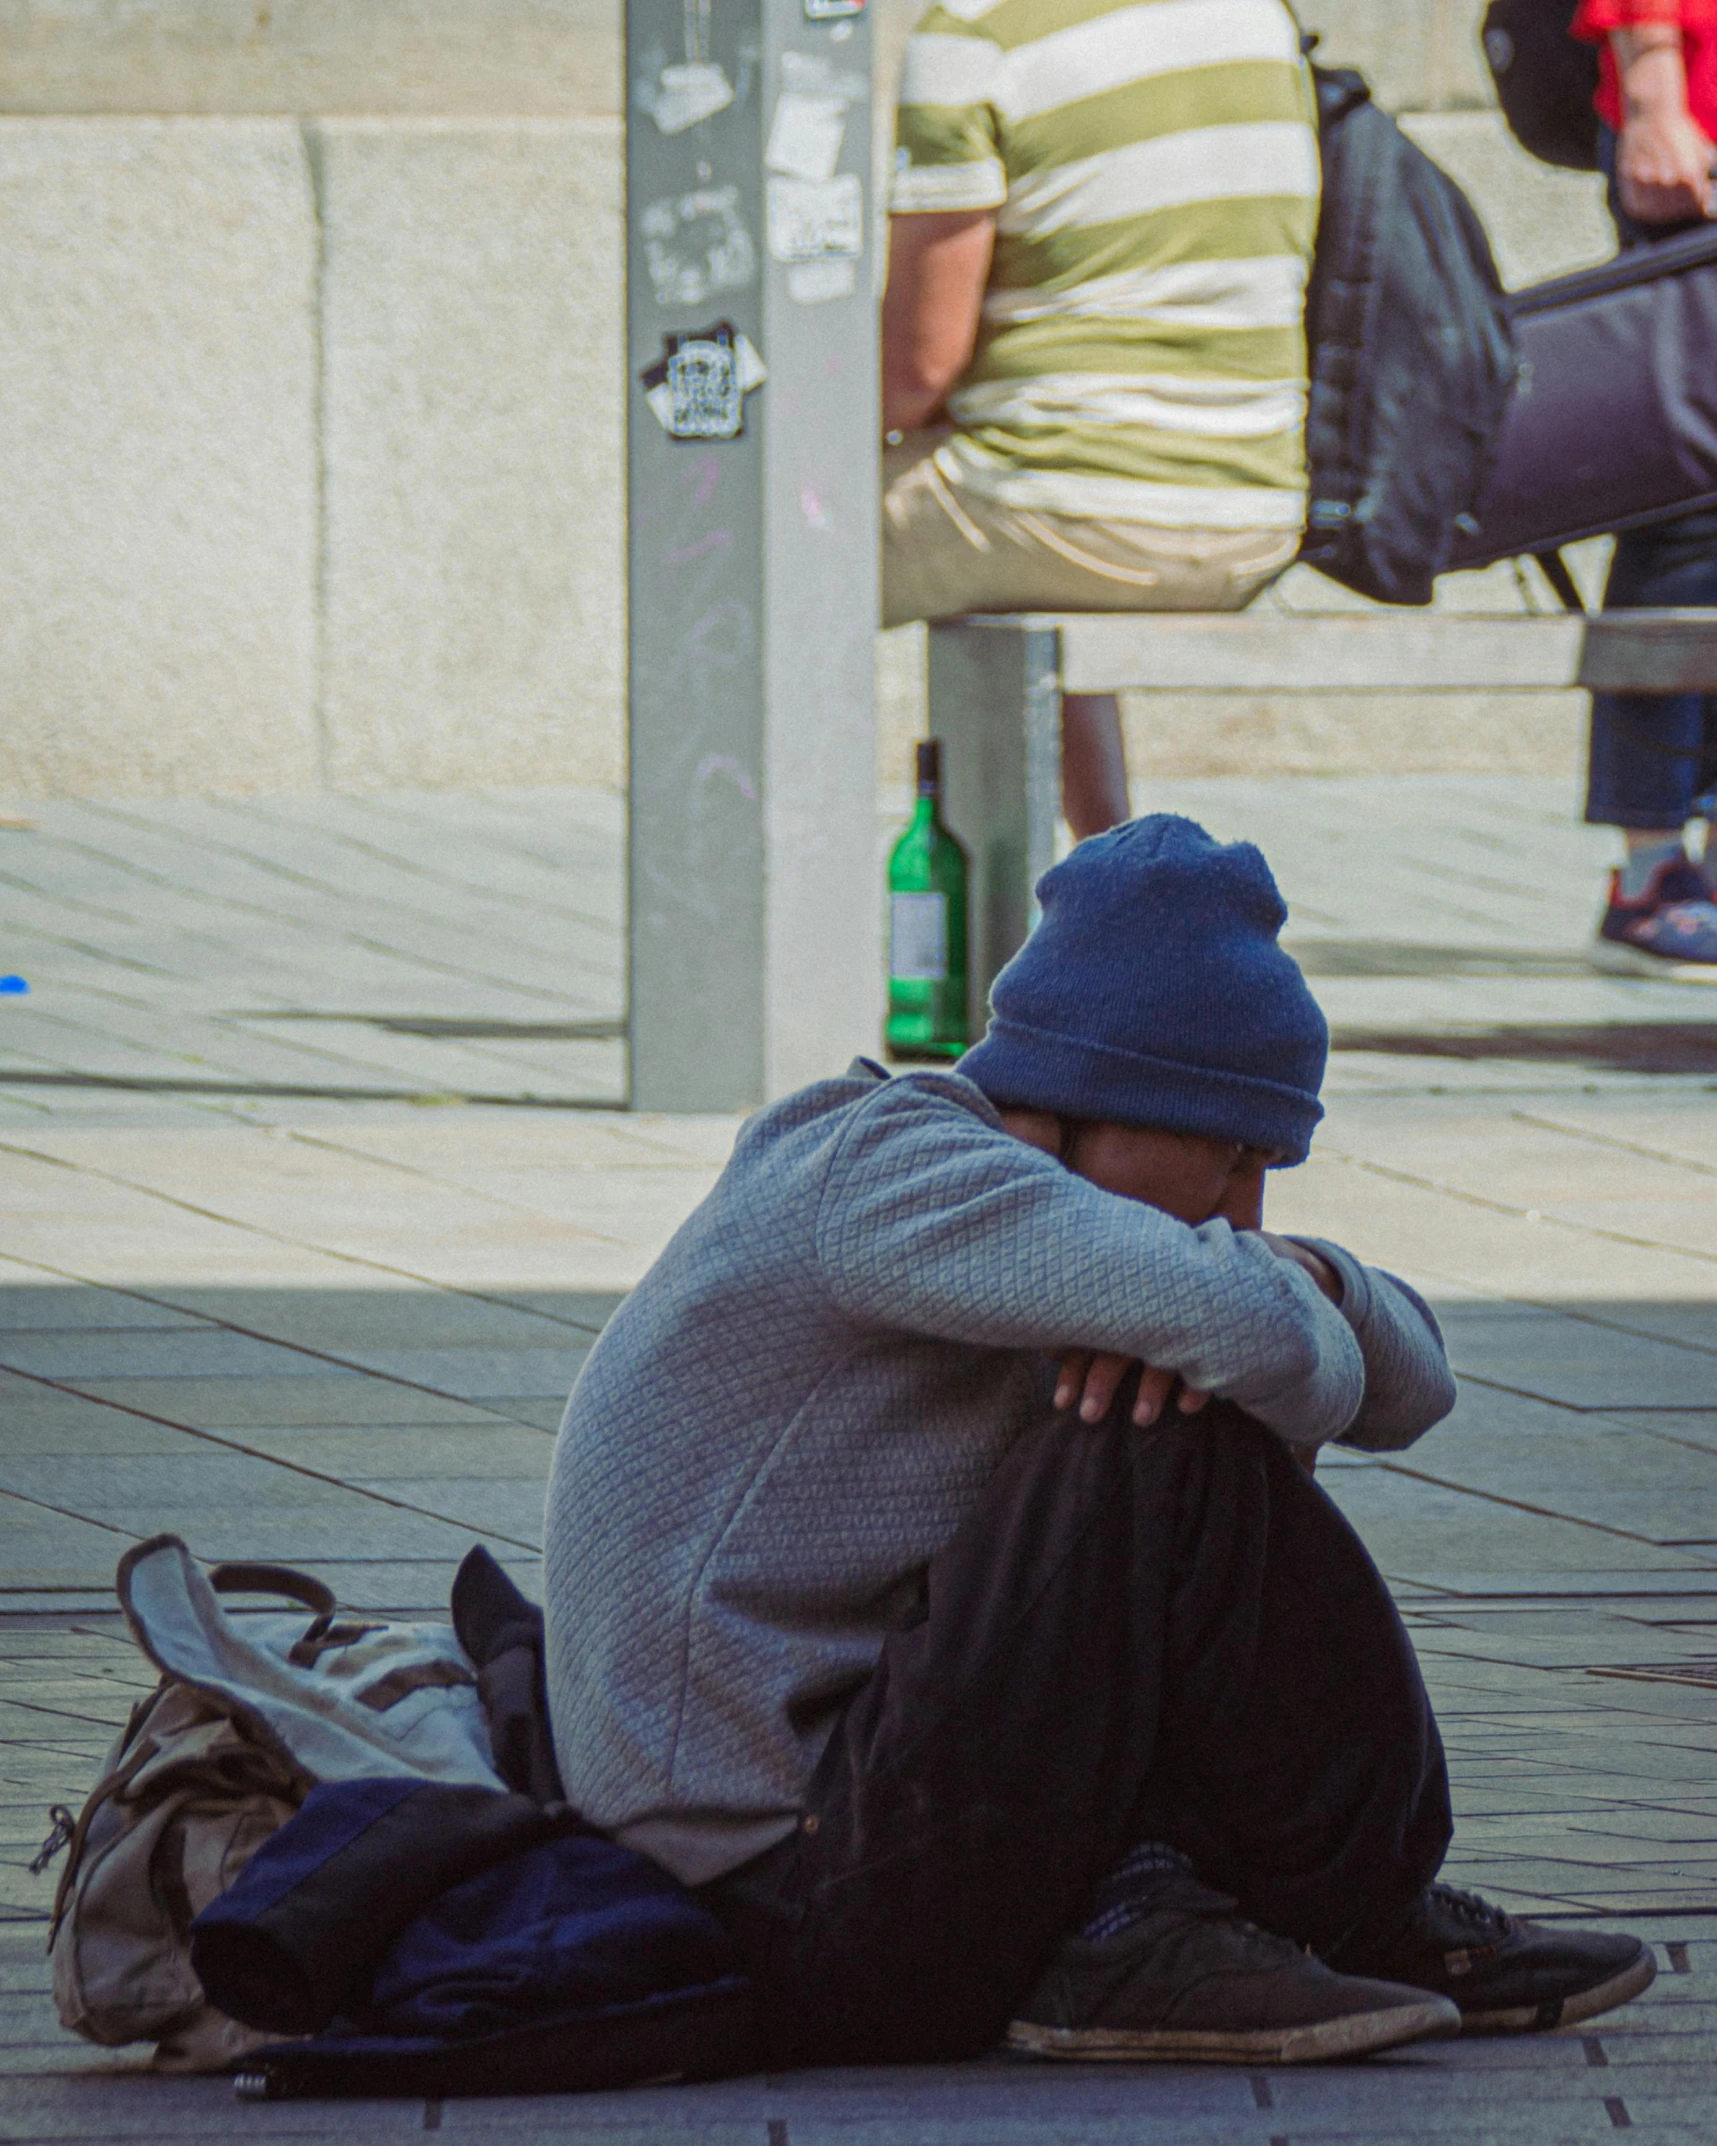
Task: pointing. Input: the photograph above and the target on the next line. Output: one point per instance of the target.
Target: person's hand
(1090, 1377)
(1303, 1256)
(1663, 168)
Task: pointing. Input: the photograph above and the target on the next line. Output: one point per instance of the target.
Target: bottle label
(918, 938)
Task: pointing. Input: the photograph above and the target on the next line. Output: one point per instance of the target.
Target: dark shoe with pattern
(1669, 930)
(1191, 1982)
(1508, 1976)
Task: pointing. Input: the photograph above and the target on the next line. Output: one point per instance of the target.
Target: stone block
(157, 460)
(291, 56)
(1418, 55)
(1542, 222)
(474, 624)
(1172, 735)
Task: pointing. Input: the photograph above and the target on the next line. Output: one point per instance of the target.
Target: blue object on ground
(13, 986)
(574, 1924)
(468, 1941)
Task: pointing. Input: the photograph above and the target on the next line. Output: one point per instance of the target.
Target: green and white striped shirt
(1154, 169)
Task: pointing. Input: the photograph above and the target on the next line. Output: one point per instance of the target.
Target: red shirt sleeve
(1595, 19)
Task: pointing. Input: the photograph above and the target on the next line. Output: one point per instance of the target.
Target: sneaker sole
(1615, 958)
(1358, 2034)
(1568, 2011)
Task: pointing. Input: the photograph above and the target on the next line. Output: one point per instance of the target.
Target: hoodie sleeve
(935, 1220)
(1408, 1383)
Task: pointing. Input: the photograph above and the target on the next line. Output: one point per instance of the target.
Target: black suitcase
(1613, 420)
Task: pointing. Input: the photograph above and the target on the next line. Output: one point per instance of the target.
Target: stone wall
(310, 360)
(310, 363)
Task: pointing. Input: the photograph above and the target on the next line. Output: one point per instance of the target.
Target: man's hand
(1096, 1375)
(1663, 158)
(1302, 1256)
(1091, 1377)
(1663, 170)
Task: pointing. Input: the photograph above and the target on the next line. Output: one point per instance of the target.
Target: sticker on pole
(696, 247)
(814, 283)
(690, 91)
(697, 388)
(686, 95)
(816, 219)
(806, 135)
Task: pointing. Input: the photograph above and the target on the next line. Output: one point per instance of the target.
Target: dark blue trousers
(1169, 1635)
(1653, 759)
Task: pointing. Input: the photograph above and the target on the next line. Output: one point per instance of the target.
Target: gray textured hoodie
(808, 1392)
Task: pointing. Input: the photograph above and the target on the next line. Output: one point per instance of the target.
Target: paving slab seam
(1514, 1213)
(206, 1214)
(232, 1445)
(273, 868)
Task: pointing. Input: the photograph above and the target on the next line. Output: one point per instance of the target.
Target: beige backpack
(250, 1714)
(183, 1803)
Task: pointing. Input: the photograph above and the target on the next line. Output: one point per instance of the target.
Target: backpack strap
(248, 1579)
(1555, 571)
(134, 1754)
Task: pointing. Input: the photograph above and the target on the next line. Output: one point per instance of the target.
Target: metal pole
(752, 474)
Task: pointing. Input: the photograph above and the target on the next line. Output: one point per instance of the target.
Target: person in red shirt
(1653, 764)
(1657, 94)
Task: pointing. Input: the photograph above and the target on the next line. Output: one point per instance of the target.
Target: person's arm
(938, 264)
(1408, 1383)
(1663, 157)
(934, 1220)
(949, 180)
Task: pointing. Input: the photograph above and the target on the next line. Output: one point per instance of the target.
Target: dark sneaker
(1507, 1976)
(1668, 931)
(1191, 1982)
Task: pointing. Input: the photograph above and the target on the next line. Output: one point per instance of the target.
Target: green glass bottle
(927, 1010)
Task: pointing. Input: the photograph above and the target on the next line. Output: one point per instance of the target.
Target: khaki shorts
(947, 550)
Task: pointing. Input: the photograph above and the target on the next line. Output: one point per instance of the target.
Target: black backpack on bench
(1412, 353)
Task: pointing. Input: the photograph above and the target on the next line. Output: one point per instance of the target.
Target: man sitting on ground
(929, 1577)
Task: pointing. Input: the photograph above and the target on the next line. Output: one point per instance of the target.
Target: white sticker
(687, 93)
(813, 283)
(812, 221)
(695, 246)
(696, 390)
(918, 938)
(805, 136)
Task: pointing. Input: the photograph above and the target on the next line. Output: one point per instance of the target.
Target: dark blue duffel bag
(1613, 422)
(434, 1941)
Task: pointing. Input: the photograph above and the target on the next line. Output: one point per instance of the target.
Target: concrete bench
(995, 686)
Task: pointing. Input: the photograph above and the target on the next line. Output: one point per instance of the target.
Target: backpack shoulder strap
(249, 1579)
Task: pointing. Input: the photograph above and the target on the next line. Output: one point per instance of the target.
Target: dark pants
(1653, 755)
(1169, 1635)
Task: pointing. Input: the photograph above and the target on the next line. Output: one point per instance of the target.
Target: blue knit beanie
(1153, 993)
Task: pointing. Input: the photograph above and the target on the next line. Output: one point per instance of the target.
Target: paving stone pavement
(255, 1288)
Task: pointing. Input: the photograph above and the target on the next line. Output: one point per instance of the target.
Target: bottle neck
(927, 812)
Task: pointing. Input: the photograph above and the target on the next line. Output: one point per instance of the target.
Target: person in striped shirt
(1094, 361)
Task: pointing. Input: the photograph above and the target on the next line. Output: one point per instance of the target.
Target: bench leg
(995, 702)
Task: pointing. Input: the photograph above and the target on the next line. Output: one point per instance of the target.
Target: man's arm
(1408, 1383)
(938, 265)
(936, 1221)
(1663, 158)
